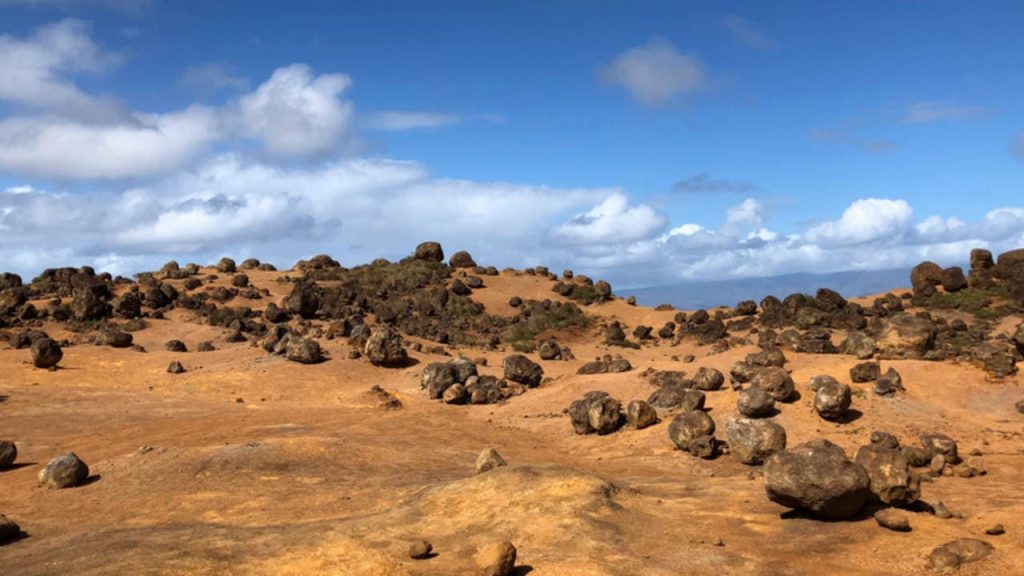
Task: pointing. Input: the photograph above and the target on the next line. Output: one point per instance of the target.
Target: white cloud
(394, 120)
(33, 70)
(656, 72)
(613, 221)
(66, 149)
(865, 220)
(936, 111)
(295, 113)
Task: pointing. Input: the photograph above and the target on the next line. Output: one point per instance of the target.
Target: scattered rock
(755, 402)
(303, 350)
(176, 346)
(384, 347)
(429, 252)
(175, 367)
(519, 368)
(677, 396)
(995, 530)
(776, 382)
(640, 414)
(892, 520)
(64, 471)
(888, 470)
(462, 259)
(8, 453)
(303, 300)
(753, 441)
(46, 353)
(865, 372)
(693, 432)
(832, 400)
(488, 460)
(816, 477)
(936, 444)
(708, 379)
(951, 555)
(496, 559)
(420, 550)
(9, 530)
(889, 383)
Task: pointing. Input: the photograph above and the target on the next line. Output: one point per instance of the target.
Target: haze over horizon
(646, 144)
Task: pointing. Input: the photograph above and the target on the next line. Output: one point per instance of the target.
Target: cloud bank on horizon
(280, 170)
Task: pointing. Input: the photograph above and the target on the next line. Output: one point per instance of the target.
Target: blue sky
(647, 142)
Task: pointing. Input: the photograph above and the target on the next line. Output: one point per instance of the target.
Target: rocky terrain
(435, 416)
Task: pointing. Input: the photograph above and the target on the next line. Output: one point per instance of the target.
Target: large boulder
(889, 472)
(776, 381)
(951, 555)
(693, 432)
(64, 471)
(640, 414)
(953, 279)
(437, 377)
(303, 300)
(677, 396)
(926, 273)
(906, 337)
(595, 412)
(462, 259)
(384, 347)
(817, 477)
(429, 252)
(519, 368)
(832, 400)
(755, 402)
(708, 379)
(303, 350)
(46, 353)
(752, 441)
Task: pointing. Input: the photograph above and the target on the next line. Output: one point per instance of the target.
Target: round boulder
(692, 431)
(8, 453)
(429, 252)
(708, 379)
(46, 353)
(752, 441)
(775, 381)
(519, 368)
(832, 400)
(816, 477)
(64, 471)
(384, 347)
(462, 259)
(755, 402)
(640, 414)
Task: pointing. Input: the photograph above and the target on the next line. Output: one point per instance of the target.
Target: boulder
(832, 400)
(892, 520)
(303, 300)
(64, 471)
(9, 530)
(303, 350)
(776, 381)
(437, 377)
(677, 396)
(429, 252)
(421, 550)
(693, 432)
(462, 259)
(519, 368)
(865, 372)
(46, 353)
(8, 454)
(889, 383)
(937, 444)
(926, 273)
(226, 266)
(753, 441)
(455, 394)
(953, 279)
(817, 477)
(175, 367)
(951, 555)
(114, 338)
(605, 415)
(640, 414)
(708, 379)
(889, 473)
(594, 408)
(496, 559)
(906, 337)
(858, 344)
(384, 347)
(755, 402)
(488, 460)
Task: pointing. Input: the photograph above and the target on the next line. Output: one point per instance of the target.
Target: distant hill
(692, 295)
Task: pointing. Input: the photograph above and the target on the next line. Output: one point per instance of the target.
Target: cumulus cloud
(744, 32)
(937, 111)
(395, 120)
(655, 72)
(34, 71)
(295, 113)
(67, 149)
(865, 220)
(613, 221)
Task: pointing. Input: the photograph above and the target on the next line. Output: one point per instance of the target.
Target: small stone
(995, 530)
(488, 460)
(175, 367)
(420, 550)
(9, 530)
(496, 559)
(940, 511)
(892, 520)
(8, 453)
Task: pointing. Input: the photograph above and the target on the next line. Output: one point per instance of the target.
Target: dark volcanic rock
(753, 441)
(519, 368)
(595, 412)
(677, 396)
(384, 347)
(8, 453)
(303, 300)
(832, 400)
(865, 372)
(303, 350)
(640, 414)
(776, 381)
(951, 555)
(462, 259)
(755, 402)
(693, 432)
(9, 530)
(889, 472)
(46, 353)
(430, 252)
(817, 477)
